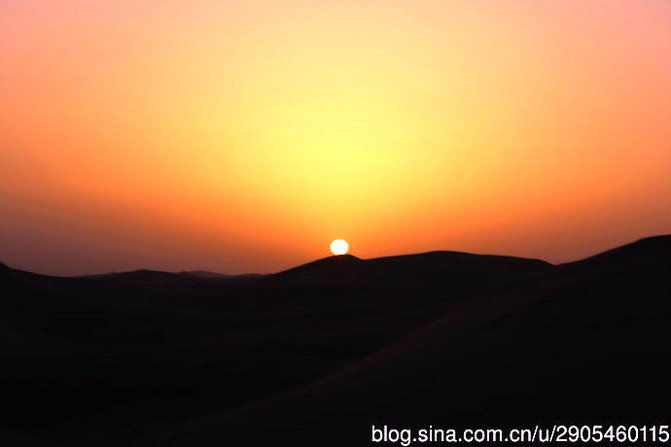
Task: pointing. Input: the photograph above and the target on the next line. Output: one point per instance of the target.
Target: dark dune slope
(102, 360)
(590, 345)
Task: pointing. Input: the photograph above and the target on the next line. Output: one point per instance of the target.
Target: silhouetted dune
(323, 268)
(570, 350)
(336, 345)
(426, 270)
(651, 248)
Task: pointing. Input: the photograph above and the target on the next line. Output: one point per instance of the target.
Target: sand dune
(324, 350)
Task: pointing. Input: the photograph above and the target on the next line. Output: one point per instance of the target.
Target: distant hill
(431, 271)
(205, 274)
(158, 278)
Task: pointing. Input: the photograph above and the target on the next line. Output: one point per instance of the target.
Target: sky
(246, 135)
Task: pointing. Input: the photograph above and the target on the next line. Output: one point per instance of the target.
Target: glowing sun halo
(339, 247)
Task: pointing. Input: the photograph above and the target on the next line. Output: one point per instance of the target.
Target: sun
(339, 247)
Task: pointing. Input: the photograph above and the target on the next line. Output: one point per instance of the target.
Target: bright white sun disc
(339, 247)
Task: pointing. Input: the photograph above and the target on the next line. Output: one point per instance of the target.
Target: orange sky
(246, 135)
